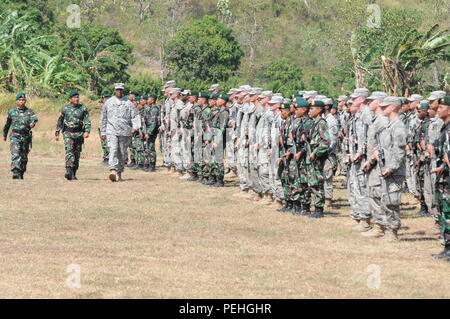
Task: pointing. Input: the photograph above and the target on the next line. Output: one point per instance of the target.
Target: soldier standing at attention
(152, 122)
(103, 143)
(21, 120)
(75, 123)
(120, 120)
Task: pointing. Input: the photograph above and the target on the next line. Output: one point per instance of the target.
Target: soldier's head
(285, 110)
(309, 96)
(213, 100)
(342, 102)
(434, 98)
(405, 105)
(334, 109)
(391, 106)
(375, 99)
(214, 89)
(133, 95)
(222, 100)
(151, 99)
(168, 87)
(301, 107)
(328, 104)
(275, 103)
(21, 100)
(359, 96)
(254, 93)
(414, 101)
(144, 100)
(118, 90)
(74, 97)
(444, 109)
(265, 97)
(354, 108)
(316, 108)
(202, 98)
(174, 93)
(422, 110)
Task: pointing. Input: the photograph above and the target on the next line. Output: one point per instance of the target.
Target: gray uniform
(187, 134)
(386, 205)
(230, 146)
(176, 135)
(277, 188)
(331, 160)
(165, 122)
(410, 162)
(263, 140)
(253, 152)
(119, 117)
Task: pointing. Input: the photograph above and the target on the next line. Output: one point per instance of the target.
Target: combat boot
(152, 167)
(219, 183)
(297, 209)
(74, 175)
(286, 208)
(443, 254)
(140, 167)
(105, 162)
(16, 174)
(119, 177)
(69, 174)
(424, 209)
(250, 194)
(257, 197)
(131, 164)
(211, 181)
(267, 200)
(363, 225)
(113, 175)
(376, 231)
(390, 235)
(21, 175)
(306, 210)
(146, 168)
(318, 213)
(328, 203)
(193, 178)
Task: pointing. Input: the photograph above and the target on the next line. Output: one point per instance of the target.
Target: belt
(73, 129)
(24, 131)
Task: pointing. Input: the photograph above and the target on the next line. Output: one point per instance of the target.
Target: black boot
(286, 208)
(318, 213)
(105, 161)
(69, 174)
(219, 182)
(211, 181)
(74, 175)
(132, 163)
(16, 174)
(141, 167)
(305, 210)
(152, 167)
(297, 209)
(424, 209)
(193, 178)
(443, 254)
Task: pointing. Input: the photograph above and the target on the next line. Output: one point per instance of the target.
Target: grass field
(155, 236)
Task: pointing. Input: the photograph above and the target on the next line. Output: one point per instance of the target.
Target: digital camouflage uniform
(138, 143)
(73, 121)
(331, 160)
(19, 121)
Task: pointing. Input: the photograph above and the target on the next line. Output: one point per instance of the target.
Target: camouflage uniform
(287, 170)
(19, 121)
(386, 206)
(74, 121)
(319, 141)
(152, 123)
(203, 118)
(331, 161)
(187, 125)
(218, 125)
(197, 140)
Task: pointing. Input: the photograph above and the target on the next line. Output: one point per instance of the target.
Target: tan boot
(257, 197)
(363, 225)
(113, 175)
(328, 204)
(390, 235)
(119, 177)
(186, 176)
(250, 195)
(376, 232)
(267, 200)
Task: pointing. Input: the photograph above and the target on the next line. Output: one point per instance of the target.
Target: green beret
(193, 93)
(20, 95)
(73, 93)
(135, 93)
(285, 106)
(203, 94)
(145, 97)
(152, 96)
(423, 106)
(107, 95)
(317, 103)
(334, 106)
(404, 100)
(137, 99)
(223, 97)
(297, 96)
(445, 101)
(214, 96)
(300, 102)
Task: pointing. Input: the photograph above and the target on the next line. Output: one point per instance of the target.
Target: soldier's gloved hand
(86, 135)
(256, 147)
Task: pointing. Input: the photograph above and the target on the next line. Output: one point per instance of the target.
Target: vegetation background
(284, 45)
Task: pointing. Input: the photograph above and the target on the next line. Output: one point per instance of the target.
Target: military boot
(152, 167)
(105, 162)
(318, 213)
(134, 167)
(363, 225)
(131, 164)
(219, 182)
(267, 200)
(328, 203)
(211, 181)
(298, 207)
(306, 210)
(424, 209)
(193, 178)
(140, 167)
(146, 168)
(288, 205)
(390, 235)
(74, 175)
(257, 197)
(443, 254)
(376, 231)
(69, 174)
(16, 174)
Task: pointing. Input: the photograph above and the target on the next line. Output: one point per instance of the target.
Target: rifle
(381, 163)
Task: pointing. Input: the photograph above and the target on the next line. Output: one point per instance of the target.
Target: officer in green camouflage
(442, 150)
(152, 122)
(21, 120)
(201, 113)
(301, 129)
(319, 143)
(75, 123)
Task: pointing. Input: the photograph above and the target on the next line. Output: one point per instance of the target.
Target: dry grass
(155, 236)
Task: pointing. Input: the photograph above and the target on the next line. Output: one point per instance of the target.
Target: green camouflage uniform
(73, 122)
(204, 119)
(19, 121)
(196, 113)
(303, 194)
(137, 143)
(219, 124)
(287, 170)
(319, 141)
(152, 123)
